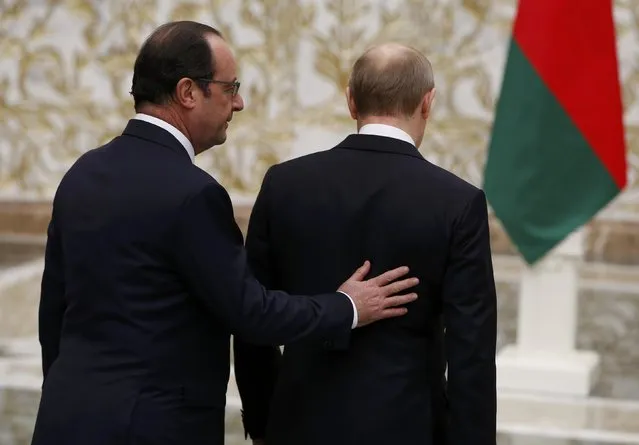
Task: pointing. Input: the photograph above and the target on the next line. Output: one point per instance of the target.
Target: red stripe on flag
(571, 44)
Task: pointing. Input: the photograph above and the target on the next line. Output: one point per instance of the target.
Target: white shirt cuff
(355, 318)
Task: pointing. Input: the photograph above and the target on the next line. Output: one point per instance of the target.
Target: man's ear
(427, 103)
(185, 93)
(352, 108)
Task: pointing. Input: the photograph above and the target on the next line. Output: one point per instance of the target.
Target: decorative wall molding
(65, 70)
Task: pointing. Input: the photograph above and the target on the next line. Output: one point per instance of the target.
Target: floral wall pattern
(65, 73)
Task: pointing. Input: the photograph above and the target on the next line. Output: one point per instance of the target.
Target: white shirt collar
(171, 129)
(388, 131)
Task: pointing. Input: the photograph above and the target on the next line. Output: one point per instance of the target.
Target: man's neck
(386, 120)
(399, 126)
(166, 114)
(164, 120)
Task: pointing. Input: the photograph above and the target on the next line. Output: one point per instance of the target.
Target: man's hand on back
(376, 299)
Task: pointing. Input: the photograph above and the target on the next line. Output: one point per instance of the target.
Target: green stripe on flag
(542, 178)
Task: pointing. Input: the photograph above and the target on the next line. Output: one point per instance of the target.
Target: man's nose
(238, 103)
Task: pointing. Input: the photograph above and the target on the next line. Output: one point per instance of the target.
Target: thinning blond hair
(390, 80)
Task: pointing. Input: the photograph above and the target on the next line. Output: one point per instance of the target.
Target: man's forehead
(225, 61)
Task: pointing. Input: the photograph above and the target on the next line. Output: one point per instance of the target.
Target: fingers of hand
(399, 286)
(361, 272)
(399, 300)
(389, 276)
(394, 312)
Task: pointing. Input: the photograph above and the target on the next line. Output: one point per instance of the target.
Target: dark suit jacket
(145, 279)
(318, 217)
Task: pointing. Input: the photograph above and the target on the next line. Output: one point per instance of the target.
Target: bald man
(374, 195)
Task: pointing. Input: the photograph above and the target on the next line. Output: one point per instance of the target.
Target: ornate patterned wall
(65, 69)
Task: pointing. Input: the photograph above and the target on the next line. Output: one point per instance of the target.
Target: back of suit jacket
(375, 197)
(145, 278)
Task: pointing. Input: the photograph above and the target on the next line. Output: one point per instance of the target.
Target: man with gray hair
(374, 195)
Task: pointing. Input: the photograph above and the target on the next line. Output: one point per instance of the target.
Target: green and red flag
(557, 153)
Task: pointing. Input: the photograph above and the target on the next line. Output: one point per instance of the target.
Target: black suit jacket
(145, 279)
(321, 215)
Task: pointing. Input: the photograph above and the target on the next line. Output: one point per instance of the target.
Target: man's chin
(219, 140)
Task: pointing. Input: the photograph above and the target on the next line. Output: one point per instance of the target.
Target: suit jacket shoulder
(341, 159)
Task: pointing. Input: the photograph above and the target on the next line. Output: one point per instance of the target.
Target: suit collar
(171, 129)
(384, 144)
(387, 130)
(155, 134)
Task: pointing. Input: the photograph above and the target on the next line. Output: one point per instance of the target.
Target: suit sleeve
(211, 259)
(256, 367)
(470, 317)
(52, 303)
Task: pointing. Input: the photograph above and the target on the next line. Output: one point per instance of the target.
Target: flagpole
(544, 358)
